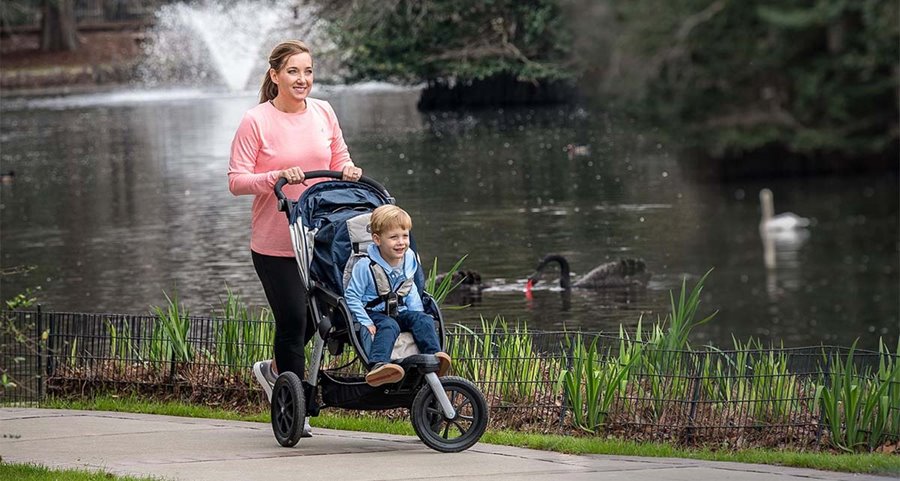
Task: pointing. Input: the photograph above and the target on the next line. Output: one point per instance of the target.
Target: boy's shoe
(384, 373)
(445, 361)
(263, 372)
(307, 429)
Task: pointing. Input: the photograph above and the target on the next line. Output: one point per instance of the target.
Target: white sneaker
(263, 372)
(307, 429)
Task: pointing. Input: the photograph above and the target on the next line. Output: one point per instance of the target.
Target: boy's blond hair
(389, 217)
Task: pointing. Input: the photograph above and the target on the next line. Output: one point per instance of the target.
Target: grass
(31, 472)
(871, 463)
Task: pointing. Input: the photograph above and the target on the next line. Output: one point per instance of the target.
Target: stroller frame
(433, 412)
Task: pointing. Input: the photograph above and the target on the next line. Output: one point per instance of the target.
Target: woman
(287, 134)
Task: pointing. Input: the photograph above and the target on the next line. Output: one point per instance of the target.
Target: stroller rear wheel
(450, 435)
(288, 409)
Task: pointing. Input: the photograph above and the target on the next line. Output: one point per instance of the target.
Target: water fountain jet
(222, 43)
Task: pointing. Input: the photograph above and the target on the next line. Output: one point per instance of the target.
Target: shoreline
(103, 58)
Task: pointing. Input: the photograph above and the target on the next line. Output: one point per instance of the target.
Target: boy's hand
(372, 329)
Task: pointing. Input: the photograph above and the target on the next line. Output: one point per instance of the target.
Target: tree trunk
(58, 29)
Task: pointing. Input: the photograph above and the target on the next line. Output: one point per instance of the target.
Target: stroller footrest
(424, 363)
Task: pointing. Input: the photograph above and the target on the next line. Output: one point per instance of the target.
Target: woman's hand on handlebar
(351, 172)
(294, 175)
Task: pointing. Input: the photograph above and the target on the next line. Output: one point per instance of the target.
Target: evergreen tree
(813, 77)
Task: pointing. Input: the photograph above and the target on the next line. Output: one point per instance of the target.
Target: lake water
(120, 197)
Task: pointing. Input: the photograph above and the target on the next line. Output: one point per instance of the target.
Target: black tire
(450, 435)
(288, 409)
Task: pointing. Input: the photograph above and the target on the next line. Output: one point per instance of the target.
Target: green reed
(664, 363)
(591, 384)
(440, 291)
(889, 373)
(682, 318)
(169, 340)
(72, 358)
(857, 404)
(242, 338)
(773, 388)
(757, 377)
(517, 363)
(500, 354)
(726, 379)
(121, 345)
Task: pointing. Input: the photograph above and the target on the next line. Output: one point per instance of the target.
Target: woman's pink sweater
(269, 141)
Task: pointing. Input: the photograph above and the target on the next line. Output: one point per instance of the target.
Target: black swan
(467, 280)
(468, 287)
(623, 273)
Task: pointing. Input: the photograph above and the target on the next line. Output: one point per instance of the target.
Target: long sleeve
(242, 178)
(356, 292)
(414, 301)
(340, 153)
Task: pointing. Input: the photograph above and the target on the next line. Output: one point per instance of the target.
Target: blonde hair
(389, 217)
(279, 56)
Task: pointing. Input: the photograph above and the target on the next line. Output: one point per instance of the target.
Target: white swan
(786, 231)
(785, 222)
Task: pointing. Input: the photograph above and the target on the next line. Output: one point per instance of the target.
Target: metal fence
(538, 381)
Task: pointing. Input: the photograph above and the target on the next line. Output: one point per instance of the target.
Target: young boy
(383, 320)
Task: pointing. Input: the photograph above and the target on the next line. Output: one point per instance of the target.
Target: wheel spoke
(446, 431)
(462, 431)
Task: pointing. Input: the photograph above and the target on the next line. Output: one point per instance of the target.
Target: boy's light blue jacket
(361, 289)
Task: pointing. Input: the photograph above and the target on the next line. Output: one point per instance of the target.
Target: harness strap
(391, 298)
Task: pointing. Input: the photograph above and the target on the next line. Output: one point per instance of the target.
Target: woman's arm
(242, 180)
(340, 153)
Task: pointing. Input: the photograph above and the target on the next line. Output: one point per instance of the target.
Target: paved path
(205, 449)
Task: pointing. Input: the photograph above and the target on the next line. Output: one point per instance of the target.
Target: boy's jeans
(418, 323)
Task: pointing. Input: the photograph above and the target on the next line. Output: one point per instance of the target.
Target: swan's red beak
(528, 286)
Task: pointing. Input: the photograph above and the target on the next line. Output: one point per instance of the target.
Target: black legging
(287, 298)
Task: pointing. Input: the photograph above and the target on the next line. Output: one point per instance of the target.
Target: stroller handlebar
(284, 203)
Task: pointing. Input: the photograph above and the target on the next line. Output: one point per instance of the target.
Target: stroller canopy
(324, 209)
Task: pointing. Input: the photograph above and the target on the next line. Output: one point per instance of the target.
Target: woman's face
(295, 79)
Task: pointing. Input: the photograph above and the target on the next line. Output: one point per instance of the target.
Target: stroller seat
(336, 217)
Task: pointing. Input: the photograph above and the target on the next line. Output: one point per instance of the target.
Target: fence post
(40, 355)
(50, 353)
(695, 397)
(172, 366)
(825, 385)
(565, 398)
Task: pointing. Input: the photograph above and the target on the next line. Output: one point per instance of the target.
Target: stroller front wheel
(288, 409)
(450, 435)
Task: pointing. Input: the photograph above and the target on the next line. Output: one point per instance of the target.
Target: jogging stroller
(328, 226)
